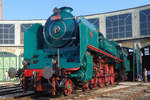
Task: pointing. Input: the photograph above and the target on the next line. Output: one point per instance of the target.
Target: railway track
(121, 92)
(6, 87)
(8, 91)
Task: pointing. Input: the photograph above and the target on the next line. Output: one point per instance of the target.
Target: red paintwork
(57, 17)
(29, 72)
(112, 77)
(91, 34)
(68, 87)
(101, 79)
(102, 52)
(72, 69)
(54, 86)
(39, 85)
(93, 83)
(107, 77)
(87, 53)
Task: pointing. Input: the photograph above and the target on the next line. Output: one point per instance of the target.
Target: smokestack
(0, 9)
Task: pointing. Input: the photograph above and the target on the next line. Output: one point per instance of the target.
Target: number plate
(55, 17)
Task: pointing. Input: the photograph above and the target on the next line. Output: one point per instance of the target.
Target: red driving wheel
(93, 83)
(101, 79)
(68, 87)
(107, 78)
(54, 86)
(112, 77)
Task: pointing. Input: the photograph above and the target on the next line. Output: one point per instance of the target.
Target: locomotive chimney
(0, 9)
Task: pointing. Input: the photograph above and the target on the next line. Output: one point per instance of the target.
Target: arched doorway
(7, 60)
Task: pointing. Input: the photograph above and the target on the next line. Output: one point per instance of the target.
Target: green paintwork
(88, 33)
(86, 71)
(83, 40)
(31, 41)
(70, 42)
(31, 44)
(66, 29)
(126, 62)
(86, 29)
(102, 43)
(108, 46)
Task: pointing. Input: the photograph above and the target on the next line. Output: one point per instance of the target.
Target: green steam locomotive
(68, 52)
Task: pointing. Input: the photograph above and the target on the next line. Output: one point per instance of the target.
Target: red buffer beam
(104, 53)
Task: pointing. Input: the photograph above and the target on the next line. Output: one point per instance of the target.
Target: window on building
(24, 27)
(7, 33)
(119, 26)
(95, 22)
(145, 22)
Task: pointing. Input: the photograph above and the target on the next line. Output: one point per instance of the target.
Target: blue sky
(42, 9)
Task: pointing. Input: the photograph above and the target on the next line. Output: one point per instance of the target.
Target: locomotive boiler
(68, 52)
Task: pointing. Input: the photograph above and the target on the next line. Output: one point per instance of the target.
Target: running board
(103, 53)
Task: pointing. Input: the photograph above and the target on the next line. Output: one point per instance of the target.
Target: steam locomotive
(68, 52)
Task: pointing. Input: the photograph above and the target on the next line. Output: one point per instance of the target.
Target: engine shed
(129, 27)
